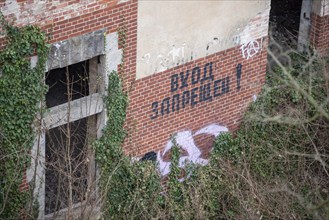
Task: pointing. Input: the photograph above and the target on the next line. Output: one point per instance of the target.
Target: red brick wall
(62, 20)
(319, 36)
(225, 109)
(24, 185)
(61, 23)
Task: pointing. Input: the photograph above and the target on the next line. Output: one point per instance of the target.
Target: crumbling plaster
(171, 33)
(320, 7)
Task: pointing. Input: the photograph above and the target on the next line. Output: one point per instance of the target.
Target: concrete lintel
(80, 108)
(76, 49)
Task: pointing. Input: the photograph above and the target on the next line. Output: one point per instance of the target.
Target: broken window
(64, 87)
(66, 163)
(285, 21)
(74, 118)
(70, 167)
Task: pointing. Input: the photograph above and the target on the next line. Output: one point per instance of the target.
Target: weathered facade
(84, 40)
(319, 34)
(197, 70)
(193, 68)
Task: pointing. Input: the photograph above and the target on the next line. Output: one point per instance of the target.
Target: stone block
(64, 54)
(76, 50)
(53, 57)
(99, 42)
(89, 46)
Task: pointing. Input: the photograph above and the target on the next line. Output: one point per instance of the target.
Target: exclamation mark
(238, 75)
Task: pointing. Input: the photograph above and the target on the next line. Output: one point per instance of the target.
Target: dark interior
(66, 145)
(284, 20)
(66, 151)
(57, 82)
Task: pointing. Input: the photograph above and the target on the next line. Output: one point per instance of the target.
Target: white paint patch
(185, 140)
(177, 32)
(11, 7)
(255, 29)
(254, 98)
(176, 54)
(326, 7)
(320, 7)
(57, 45)
(146, 57)
(34, 61)
(162, 63)
(113, 54)
(122, 1)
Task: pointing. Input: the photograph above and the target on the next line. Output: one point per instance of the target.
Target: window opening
(285, 20)
(69, 162)
(57, 81)
(66, 163)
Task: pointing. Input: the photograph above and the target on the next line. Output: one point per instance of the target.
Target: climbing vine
(21, 90)
(127, 188)
(116, 103)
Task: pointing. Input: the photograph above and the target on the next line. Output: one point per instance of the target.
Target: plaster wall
(171, 33)
(320, 7)
(304, 26)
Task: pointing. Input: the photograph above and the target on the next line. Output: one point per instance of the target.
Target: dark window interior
(57, 82)
(285, 19)
(66, 145)
(66, 153)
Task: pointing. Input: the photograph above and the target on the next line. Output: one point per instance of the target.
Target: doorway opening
(285, 21)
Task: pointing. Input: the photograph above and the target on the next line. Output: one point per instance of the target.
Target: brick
(319, 36)
(225, 109)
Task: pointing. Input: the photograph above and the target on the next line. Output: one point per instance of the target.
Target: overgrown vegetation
(275, 166)
(21, 90)
(127, 188)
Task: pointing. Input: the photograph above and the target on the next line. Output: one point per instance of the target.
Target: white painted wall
(171, 33)
(304, 26)
(320, 7)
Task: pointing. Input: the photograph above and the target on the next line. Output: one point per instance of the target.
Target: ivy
(128, 189)
(21, 90)
(175, 191)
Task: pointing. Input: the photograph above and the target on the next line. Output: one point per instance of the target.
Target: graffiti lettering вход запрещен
(205, 88)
